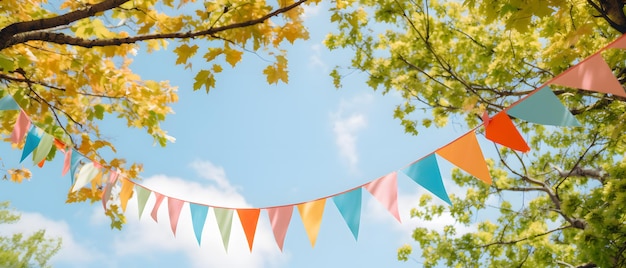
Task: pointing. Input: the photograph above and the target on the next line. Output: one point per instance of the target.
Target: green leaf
(6, 63)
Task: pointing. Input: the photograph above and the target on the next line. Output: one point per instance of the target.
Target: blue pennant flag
(426, 173)
(198, 217)
(32, 140)
(8, 103)
(349, 205)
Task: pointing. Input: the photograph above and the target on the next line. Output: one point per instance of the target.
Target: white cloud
(311, 10)
(315, 60)
(145, 237)
(347, 121)
(71, 253)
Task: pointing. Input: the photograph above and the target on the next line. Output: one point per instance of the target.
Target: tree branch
(63, 39)
(8, 33)
(526, 238)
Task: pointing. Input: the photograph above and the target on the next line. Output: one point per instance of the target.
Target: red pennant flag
(21, 127)
(465, 153)
(174, 207)
(591, 74)
(249, 219)
(385, 189)
(280, 218)
(157, 204)
(501, 130)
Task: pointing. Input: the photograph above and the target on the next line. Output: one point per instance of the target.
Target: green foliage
(559, 205)
(20, 251)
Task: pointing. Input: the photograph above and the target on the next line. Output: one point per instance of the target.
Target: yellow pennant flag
(126, 192)
(311, 214)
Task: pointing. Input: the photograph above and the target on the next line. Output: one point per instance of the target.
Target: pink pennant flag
(619, 43)
(280, 218)
(157, 204)
(385, 189)
(174, 207)
(21, 127)
(106, 192)
(592, 74)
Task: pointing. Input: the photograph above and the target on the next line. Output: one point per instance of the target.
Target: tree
(20, 251)
(561, 205)
(67, 65)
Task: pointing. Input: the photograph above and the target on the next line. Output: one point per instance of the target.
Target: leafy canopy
(67, 63)
(22, 251)
(561, 205)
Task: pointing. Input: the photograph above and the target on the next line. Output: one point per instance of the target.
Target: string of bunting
(541, 106)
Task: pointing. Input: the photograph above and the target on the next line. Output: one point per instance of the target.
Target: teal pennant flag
(198, 217)
(8, 103)
(349, 205)
(544, 108)
(32, 140)
(426, 173)
(74, 163)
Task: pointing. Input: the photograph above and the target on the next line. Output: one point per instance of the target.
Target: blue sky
(246, 143)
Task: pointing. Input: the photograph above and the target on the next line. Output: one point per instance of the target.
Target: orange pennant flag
(501, 130)
(465, 153)
(311, 214)
(249, 217)
(592, 74)
(126, 193)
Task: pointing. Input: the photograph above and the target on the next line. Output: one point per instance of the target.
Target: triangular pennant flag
(8, 103)
(21, 127)
(280, 218)
(106, 192)
(125, 193)
(66, 162)
(32, 140)
(157, 204)
(74, 163)
(619, 42)
(44, 147)
(43, 161)
(311, 215)
(142, 198)
(465, 153)
(385, 190)
(85, 175)
(174, 206)
(425, 172)
(59, 144)
(249, 217)
(198, 217)
(544, 108)
(592, 74)
(349, 205)
(501, 130)
(224, 219)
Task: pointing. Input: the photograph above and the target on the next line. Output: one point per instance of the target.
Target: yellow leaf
(233, 56)
(185, 52)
